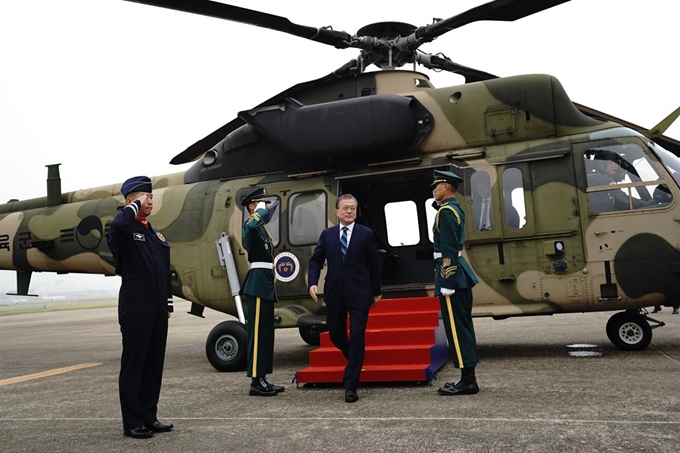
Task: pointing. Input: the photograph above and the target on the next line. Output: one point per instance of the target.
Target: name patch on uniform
(138, 237)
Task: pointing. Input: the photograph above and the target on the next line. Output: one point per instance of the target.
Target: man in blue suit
(352, 285)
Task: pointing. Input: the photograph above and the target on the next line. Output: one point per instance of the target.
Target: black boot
(466, 385)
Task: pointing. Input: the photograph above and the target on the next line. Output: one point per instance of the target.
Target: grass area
(46, 308)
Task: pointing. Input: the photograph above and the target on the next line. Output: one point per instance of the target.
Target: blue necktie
(343, 243)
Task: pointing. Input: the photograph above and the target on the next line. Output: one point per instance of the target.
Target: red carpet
(405, 341)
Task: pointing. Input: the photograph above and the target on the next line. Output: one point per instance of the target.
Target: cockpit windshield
(669, 160)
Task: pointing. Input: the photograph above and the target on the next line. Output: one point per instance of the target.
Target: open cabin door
(396, 205)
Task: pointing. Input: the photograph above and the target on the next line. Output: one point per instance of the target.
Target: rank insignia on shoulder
(160, 236)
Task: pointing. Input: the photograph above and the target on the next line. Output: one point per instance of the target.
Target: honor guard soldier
(258, 287)
(454, 280)
(144, 305)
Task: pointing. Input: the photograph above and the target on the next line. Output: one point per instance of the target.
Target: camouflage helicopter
(562, 232)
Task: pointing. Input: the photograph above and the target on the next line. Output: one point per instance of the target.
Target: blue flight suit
(144, 301)
(258, 287)
(452, 271)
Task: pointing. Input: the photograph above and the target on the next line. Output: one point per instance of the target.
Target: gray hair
(345, 196)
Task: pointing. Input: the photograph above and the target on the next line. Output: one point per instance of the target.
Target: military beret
(257, 195)
(136, 184)
(445, 176)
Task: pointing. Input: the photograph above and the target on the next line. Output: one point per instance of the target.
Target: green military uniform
(452, 271)
(258, 287)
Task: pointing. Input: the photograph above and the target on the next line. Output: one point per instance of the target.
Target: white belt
(439, 254)
(261, 265)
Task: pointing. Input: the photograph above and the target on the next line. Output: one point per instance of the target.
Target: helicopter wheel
(312, 334)
(629, 331)
(227, 346)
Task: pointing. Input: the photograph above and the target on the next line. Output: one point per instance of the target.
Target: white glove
(447, 291)
(261, 205)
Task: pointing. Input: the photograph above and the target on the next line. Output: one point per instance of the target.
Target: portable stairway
(405, 341)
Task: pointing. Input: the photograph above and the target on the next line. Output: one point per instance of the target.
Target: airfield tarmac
(548, 384)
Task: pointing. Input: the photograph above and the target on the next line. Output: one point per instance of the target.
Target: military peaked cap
(257, 195)
(136, 184)
(446, 176)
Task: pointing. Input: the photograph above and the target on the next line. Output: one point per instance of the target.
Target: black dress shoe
(140, 432)
(351, 396)
(460, 387)
(159, 427)
(259, 387)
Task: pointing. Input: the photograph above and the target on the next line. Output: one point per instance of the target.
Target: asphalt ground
(548, 384)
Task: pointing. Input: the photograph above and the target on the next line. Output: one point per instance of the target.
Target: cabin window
(482, 202)
(273, 225)
(514, 208)
(307, 217)
(401, 218)
(430, 213)
(621, 177)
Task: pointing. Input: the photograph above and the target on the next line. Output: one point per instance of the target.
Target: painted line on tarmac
(29, 377)
(367, 419)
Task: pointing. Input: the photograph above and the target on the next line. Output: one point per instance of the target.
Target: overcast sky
(112, 89)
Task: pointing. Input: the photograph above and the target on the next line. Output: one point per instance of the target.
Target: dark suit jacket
(355, 281)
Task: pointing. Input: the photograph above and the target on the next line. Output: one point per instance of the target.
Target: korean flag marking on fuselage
(138, 237)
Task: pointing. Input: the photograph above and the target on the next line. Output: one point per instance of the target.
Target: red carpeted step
(384, 373)
(400, 319)
(408, 304)
(375, 355)
(393, 336)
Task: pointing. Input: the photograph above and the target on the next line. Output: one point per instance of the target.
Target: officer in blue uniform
(144, 305)
(258, 287)
(454, 280)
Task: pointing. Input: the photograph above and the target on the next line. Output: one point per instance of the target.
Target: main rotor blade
(498, 10)
(328, 36)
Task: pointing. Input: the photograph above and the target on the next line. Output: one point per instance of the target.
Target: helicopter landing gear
(227, 346)
(311, 334)
(630, 330)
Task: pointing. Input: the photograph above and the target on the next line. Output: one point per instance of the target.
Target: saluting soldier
(258, 287)
(454, 280)
(144, 305)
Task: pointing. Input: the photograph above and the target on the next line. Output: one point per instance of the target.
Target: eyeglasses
(348, 208)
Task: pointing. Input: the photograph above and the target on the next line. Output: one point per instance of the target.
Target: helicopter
(555, 242)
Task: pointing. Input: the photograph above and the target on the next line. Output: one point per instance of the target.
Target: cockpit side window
(621, 177)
